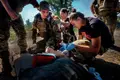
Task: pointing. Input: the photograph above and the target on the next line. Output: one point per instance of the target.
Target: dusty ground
(110, 56)
(113, 55)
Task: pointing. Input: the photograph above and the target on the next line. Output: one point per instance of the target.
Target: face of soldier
(44, 13)
(63, 15)
(78, 23)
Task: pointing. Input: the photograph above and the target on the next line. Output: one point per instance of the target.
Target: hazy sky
(81, 5)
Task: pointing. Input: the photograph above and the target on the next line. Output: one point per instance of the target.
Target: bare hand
(49, 50)
(57, 53)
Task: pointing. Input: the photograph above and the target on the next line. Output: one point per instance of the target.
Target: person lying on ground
(32, 67)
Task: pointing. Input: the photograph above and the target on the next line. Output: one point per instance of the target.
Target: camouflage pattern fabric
(4, 53)
(18, 27)
(4, 35)
(110, 21)
(108, 14)
(68, 34)
(48, 30)
(17, 6)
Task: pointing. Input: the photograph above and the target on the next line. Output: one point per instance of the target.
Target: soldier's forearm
(9, 10)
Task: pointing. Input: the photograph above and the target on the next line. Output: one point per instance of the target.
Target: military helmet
(44, 5)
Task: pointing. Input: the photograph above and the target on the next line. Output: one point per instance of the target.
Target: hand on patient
(68, 47)
(57, 53)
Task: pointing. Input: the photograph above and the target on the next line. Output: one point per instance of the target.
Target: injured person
(52, 65)
(48, 67)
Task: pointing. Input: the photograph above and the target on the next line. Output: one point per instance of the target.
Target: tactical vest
(44, 27)
(41, 26)
(66, 33)
(106, 6)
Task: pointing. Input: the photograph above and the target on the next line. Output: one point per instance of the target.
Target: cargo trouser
(111, 21)
(19, 28)
(4, 53)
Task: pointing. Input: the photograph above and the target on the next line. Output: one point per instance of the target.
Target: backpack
(106, 7)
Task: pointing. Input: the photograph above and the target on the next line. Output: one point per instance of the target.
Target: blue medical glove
(96, 74)
(70, 46)
(63, 47)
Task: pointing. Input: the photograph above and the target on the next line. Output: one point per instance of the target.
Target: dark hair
(44, 5)
(75, 15)
(73, 10)
(64, 10)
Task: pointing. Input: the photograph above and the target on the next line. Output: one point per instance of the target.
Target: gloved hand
(70, 46)
(96, 74)
(63, 47)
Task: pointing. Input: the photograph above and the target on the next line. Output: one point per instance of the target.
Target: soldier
(108, 12)
(94, 9)
(9, 16)
(18, 27)
(47, 28)
(66, 27)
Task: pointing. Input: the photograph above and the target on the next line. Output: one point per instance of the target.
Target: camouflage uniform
(4, 53)
(48, 30)
(94, 9)
(18, 27)
(5, 23)
(68, 33)
(108, 13)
